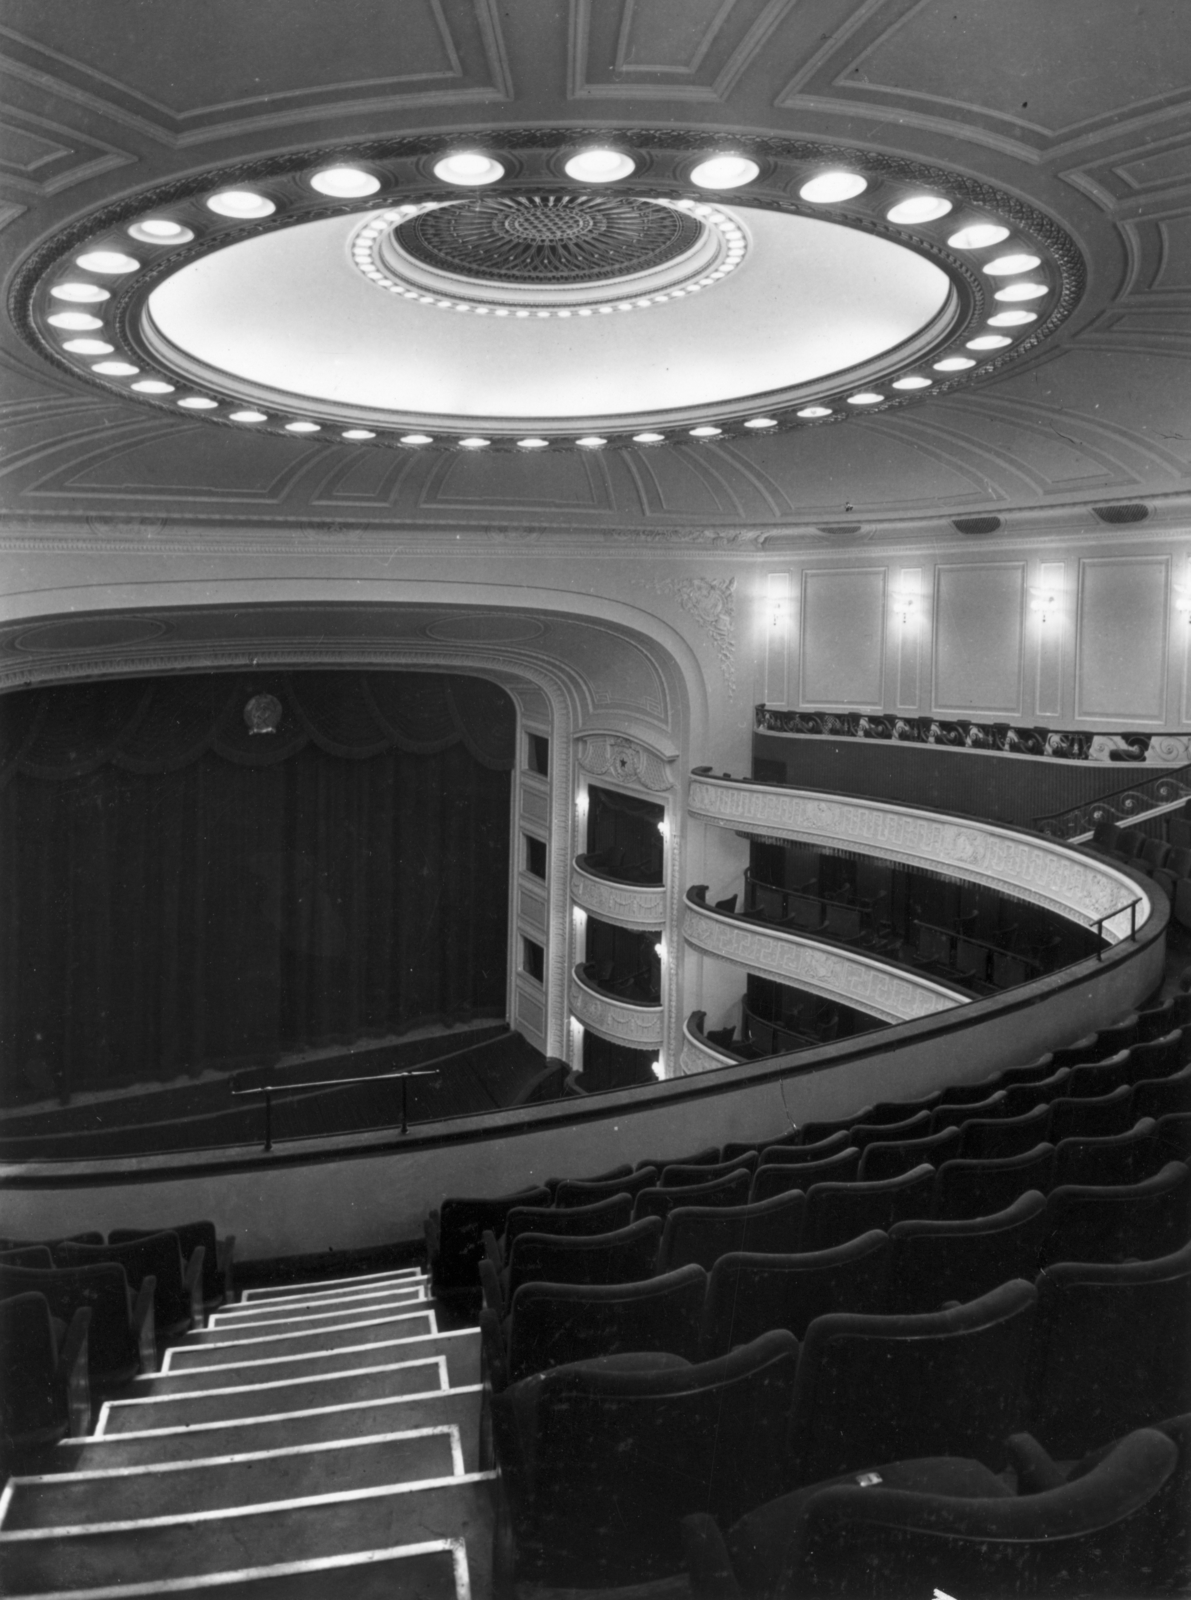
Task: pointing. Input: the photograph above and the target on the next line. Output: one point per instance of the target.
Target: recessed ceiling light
(468, 168)
(1021, 291)
(989, 341)
(705, 431)
(912, 381)
(815, 411)
(75, 320)
(109, 261)
(153, 386)
(919, 208)
(358, 433)
(345, 183)
(248, 416)
(725, 172)
(869, 397)
(160, 230)
(82, 293)
(953, 363)
(303, 427)
(648, 438)
(415, 438)
(1003, 319)
(198, 402)
(978, 236)
(761, 422)
(829, 186)
(474, 443)
(88, 347)
(599, 166)
(115, 369)
(1004, 265)
(591, 441)
(240, 203)
(532, 444)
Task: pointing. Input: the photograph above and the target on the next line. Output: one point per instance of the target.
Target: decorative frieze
(858, 980)
(634, 907)
(698, 1056)
(612, 755)
(637, 1026)
(1037, 870)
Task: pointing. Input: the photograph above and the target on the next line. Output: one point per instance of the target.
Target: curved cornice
(640, 1027)
(697, 1055)
(627, 905)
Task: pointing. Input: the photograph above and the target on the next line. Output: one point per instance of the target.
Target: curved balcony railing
(619, 1017)
(628, 905)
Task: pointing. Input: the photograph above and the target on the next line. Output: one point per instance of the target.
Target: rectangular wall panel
(776, 623)
(1120, 669)
(842, 638)
(1048, 689)
(978, 639)
(909, 636)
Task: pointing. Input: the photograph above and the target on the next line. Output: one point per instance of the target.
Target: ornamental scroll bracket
(626, 761)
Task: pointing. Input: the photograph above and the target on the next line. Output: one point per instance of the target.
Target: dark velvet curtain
(180, 891)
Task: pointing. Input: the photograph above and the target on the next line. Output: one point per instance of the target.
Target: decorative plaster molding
(628, 761)
(870, 986)
(640, 1027)
(1040, 871)
(712, 603)
(629, 907)
(698, 1056)
(702, 538)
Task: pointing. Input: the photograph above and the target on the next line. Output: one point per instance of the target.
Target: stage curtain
(181, 893)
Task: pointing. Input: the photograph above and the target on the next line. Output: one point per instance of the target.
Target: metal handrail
(1098, 925)
(270, 1089)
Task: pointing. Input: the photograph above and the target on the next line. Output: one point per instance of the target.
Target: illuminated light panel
(248, 416)
(591, 441)
(468, 168)
(153, 386)
(243, 203)
(919, 208)
(358, 433)
(599, 166)
(532, 444)
(474, 443)
(415, 438)
(705, 431)
(761, 422)
(87, 294)
(115, 369)
(1021, 291)
(303, 427)
(89, 347)
(815, 411)
(912, 381)
(76, 321)
(1012, 319)
(345, 183)
(832, 186)
(648, 438)
(111, 262)
(953, 363)
(978, 236)
(160, 230)
(870, 397)
(198, 402)
(725, 172)
(1005, 266)
(989, 341)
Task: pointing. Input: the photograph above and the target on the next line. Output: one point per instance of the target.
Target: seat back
(190, 1236)
(981, 1188)
(701, 1158)
(836, 1212)
(1162, 1097)
(626, 1255)
(1110, 1350)
(112, 1349)
(1173, 1136)
(703, 1234)
(1090, 1079)
(679, 1176)
(795, 1155)
(605, 1216)
(748, 1293)
(1106, 1223)
(553, 1323)
(156, 1255)
(1119, 1158)
(27, 1255)
(1157, 1057)
(881, 1160)
(917, 1126)
(1157, 1020)
(950, 1383)
(31, 1402)
(992, 1139)
(732, 1190)
(1096, 1117)
(768, 1181)
(932, 1260)
(574, 1192)
(461, 1228)
(1023, 1097)
(948, 1112)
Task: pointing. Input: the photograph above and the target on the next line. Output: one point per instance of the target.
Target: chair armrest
(144, 1323)
(74, 1372)
(490, 1287)
(493, 1251)
(492, 1346)
(707, 1559)
(1036, 1472)
(193, 1279)
(225, 1252)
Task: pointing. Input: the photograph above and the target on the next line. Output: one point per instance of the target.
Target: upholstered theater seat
(703, 1234)
(455, 1241)
(748, 1294)
(836, 1212)
(934, 1260)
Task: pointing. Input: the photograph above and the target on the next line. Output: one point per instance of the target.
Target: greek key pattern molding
(631, 908)
(857, 980)
(1034, 870)
(637, 1026)
(611, 755)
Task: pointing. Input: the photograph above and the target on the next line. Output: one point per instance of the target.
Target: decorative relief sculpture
(712, 603)
(638, 1026)
(611, 755)
(859, 981)
(694, 1058)
(645, 908)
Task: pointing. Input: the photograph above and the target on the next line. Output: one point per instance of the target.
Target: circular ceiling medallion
(90, 633)
(485, 630)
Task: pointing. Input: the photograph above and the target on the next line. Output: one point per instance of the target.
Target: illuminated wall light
(160, 230)
(415, 438)
(868, 398)
(358, 433)
(833, 186)
(345, 183)
(815, 411)
(240, 203)
(906, 606)
(657, 1069)
(76, 321)
(468, 168)
(248, 416)
(88, 347)
(953, 363)
(705, 431)
(303, 427)
(724, 172)
(978, 236)
(913, 381)
(591, 441)
(1045, 602)
(919, 208)
(198, 402)
(648, 438)
(779, 611)
(988, 341)
(581, 803)
(761, 422)
(533, 444)
(115, 369)
(1021, 291)
(110, 262)
(1012, 319)
(599, 166)
(87, 294)
(1182, 604)
(1005, 266)
(153, 386)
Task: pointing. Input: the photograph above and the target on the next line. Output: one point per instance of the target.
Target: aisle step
(332, 1285)
(346, 1420)
(40, 1561)
(249, 1477)
(225, 1375)
(219, 1332)
(369, 1327)
(323, 1305)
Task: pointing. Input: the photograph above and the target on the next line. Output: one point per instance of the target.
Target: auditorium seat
(777, 1155)
(749, 1293)
(1092, 1078)
(1158, 1019)
(626, 1255)
(948, 1112)
(52, 1244)
(27, 1255)
(980, 1188)
(1096, 1117)
(1173, 1136)
(578, 1192)
(888, 1160)
(731, 1190)
(553, 1324)
(1160, 1097)
(455, 1242)
(1110, 1350)
(177, 1293)
(994, 1138)
(679, 1176)
(895, 1531)
(1119, 1222)
(768, 1181)
(1158, 1058)
(933, 1260)
(1116, 1036)
(1023, 1097)
(1087, 1048)
(738, 1148)
(604, 1216)
(703, 1234)
(1118, 1158)
(701, 1158)
(887, 1112)
(121, 1340)
(885, 1388)
(44, 1387)
(836, 1212)
(602, 1459)
(1034, 1072)
(217, 1255)
(613, 1174)
(863, 1134)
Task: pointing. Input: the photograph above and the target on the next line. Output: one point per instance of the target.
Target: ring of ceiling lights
(1015, 274)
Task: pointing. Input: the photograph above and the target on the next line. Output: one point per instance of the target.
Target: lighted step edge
(331, 1285)
(219, 1332)
(321, 1305)
(261, 1344)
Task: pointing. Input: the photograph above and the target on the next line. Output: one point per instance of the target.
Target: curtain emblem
(262, 713)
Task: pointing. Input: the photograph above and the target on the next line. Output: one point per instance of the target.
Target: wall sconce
(1182, 603)
(1045, 602)
(657, 1069)
(779, 610)
(664, 827)
(906, 606)
(581, 804)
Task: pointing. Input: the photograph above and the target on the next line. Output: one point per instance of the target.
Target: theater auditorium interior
(595, 943)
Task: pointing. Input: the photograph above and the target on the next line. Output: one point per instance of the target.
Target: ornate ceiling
(1079, 109)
